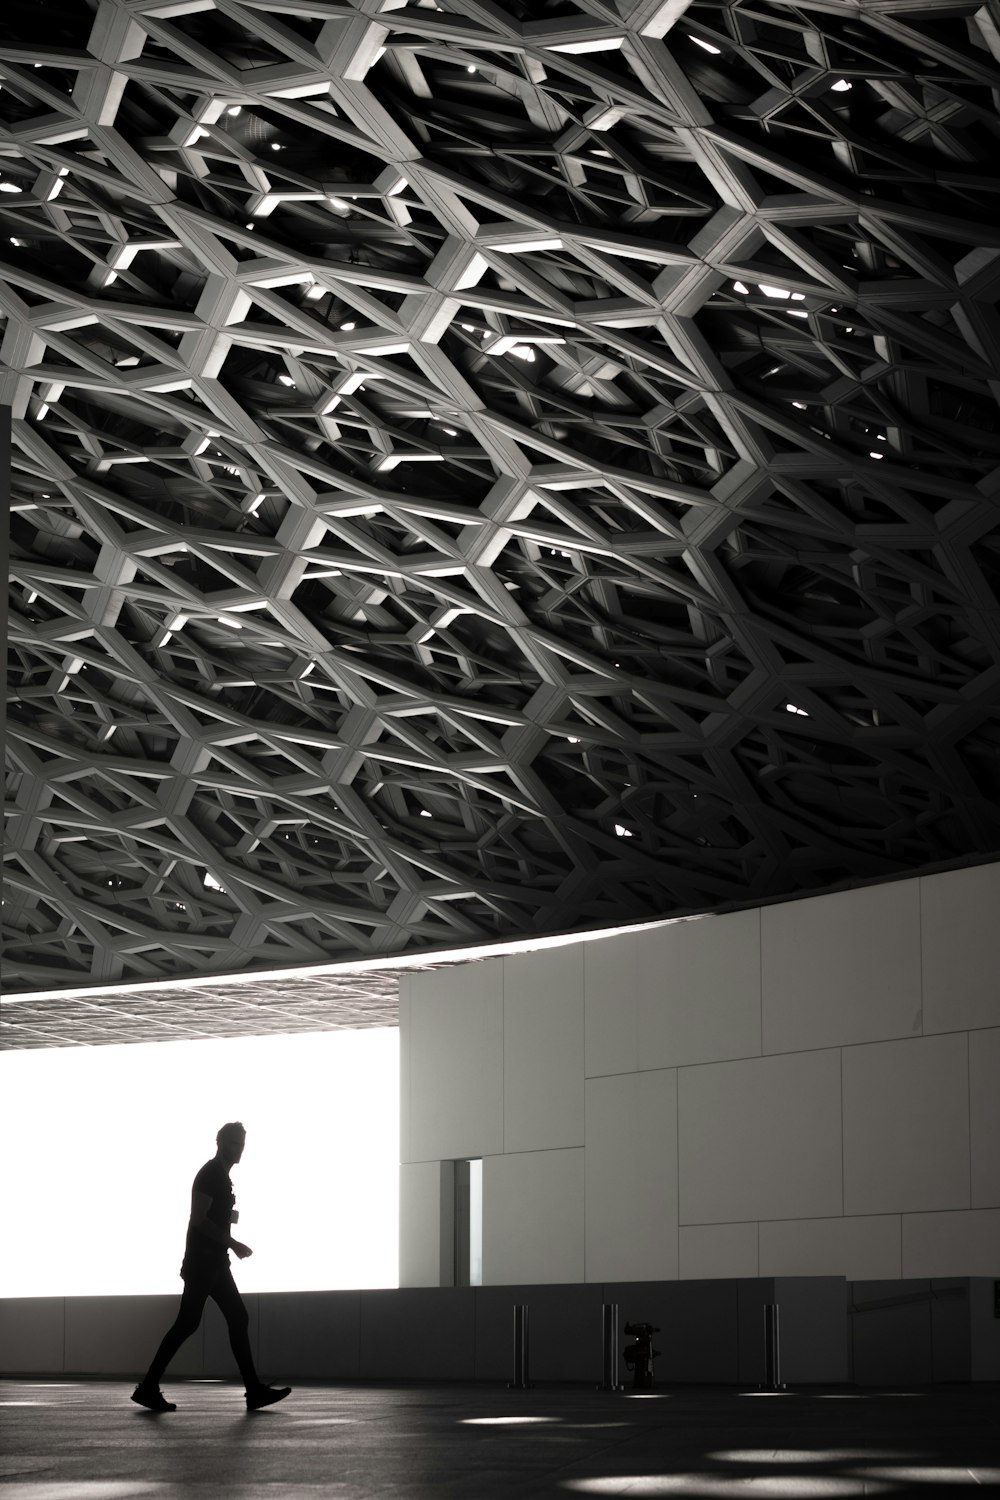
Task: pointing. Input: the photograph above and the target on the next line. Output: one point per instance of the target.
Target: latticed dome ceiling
(490, 468)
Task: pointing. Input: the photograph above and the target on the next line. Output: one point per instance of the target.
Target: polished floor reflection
(84, 1441)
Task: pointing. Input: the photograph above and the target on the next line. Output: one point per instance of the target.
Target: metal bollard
(520, 1381)
(609, 1348)
(772, 1349)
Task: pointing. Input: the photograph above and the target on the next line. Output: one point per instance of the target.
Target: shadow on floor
(84, 1440)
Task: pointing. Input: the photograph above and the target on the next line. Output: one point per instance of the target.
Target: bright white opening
(791, 709)
(476, 1223)
(841, 86)
(552, 243)
(110, 1139)
(622, 831)
(211, 882)
(595, 44)
(707, 45)
(287, 380)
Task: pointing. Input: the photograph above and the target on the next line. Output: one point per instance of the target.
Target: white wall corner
(427, 1223)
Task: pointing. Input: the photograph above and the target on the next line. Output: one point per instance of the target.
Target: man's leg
(188, 1317)
(226, 1297)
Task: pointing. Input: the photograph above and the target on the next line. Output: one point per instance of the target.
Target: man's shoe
(152, 1398)
(266, 1395)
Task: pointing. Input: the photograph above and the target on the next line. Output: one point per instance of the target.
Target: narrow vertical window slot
(476, 1223)
(469, 1223)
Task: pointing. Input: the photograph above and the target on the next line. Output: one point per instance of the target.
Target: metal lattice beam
(484, 469)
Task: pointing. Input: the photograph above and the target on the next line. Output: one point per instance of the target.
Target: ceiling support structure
(483, 470)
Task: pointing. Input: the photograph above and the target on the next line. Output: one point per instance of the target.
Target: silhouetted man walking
(205, 1272)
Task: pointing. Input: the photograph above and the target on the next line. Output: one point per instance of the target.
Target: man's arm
(200, 1204)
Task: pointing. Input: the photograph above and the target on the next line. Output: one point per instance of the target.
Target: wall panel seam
(843, 1184)
(732, 1223)
(887, 1041)
(503, 1055)
(920, 952)
(529, 1151)
(677, 1155)
(968, 1100)
(754, 1057)
(760, 975)
(880, 1213)
(583, 991)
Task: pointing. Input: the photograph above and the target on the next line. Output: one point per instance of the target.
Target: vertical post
(609, 1347)
(520, 1381)
(772, 1349)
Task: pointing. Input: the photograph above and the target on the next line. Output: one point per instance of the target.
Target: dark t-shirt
(203, 1255)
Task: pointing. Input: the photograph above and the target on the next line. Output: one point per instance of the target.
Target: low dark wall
(832, 1331)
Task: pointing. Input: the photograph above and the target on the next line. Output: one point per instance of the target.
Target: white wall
(810, 1088)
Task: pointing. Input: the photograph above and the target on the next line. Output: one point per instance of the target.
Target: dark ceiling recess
(486, 470)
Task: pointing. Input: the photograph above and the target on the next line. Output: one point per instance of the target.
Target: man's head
(230, 1142)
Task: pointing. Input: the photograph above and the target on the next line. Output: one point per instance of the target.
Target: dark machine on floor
(639, 1355)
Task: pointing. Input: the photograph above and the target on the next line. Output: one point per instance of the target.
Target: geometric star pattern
(490, 469)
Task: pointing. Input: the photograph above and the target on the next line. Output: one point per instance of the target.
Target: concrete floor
(84, 1440)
